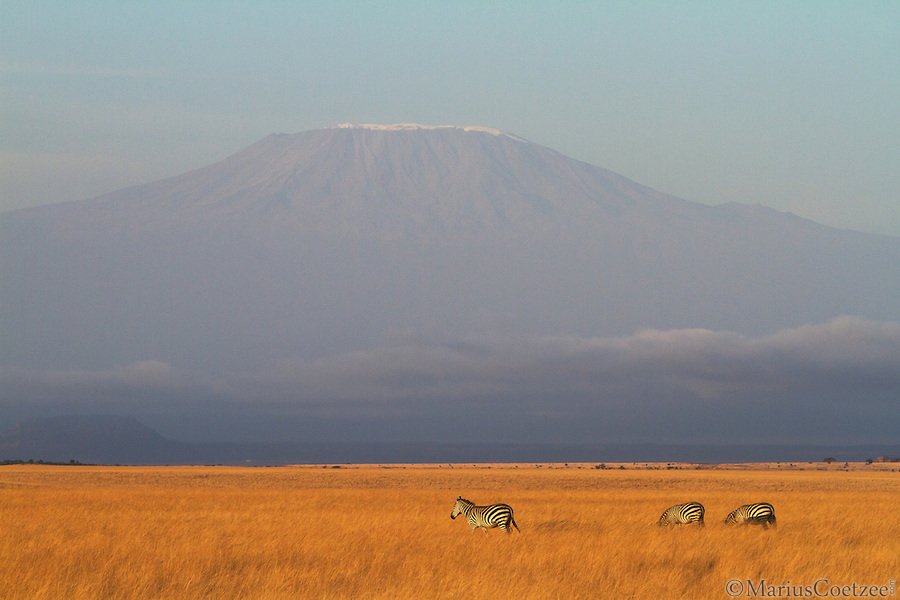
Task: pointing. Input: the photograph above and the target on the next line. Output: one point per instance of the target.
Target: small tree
(828, 460)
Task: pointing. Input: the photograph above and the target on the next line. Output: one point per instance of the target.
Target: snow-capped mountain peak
(420, 126)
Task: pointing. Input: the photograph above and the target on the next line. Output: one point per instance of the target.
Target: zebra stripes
(490, 516)
(683, 514)
(760, 513)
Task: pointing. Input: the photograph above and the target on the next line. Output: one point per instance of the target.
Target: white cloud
(845, 364)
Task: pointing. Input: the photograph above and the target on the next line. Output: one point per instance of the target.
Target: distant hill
(88, 439)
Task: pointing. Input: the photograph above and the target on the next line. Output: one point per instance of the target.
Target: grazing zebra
(761, 513)
(683, 514)
(493, 515)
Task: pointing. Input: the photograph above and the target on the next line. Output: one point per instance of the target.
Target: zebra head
(731, 519)
(460, 507)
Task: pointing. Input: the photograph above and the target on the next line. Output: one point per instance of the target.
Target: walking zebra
(492, 515)
(683, 514)
(760, 513)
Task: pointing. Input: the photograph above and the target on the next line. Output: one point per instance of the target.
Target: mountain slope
(337, 239)
(428, 184)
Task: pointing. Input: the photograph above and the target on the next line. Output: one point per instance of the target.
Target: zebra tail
(513, 521)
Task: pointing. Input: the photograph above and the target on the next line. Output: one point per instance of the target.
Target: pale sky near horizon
(795, 105)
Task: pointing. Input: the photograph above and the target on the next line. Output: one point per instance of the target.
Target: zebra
(760, 513)
(683, 514)
(492, 515)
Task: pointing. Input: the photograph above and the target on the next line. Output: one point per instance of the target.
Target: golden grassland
(369, 532)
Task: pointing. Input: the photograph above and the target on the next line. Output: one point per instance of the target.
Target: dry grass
(105, 532)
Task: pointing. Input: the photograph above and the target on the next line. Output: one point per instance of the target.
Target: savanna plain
(385, 532)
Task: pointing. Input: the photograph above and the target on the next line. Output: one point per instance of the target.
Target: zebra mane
(464, 501)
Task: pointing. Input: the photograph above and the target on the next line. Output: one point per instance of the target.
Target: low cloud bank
(838, 380)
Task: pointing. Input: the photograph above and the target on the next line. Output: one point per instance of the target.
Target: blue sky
(795, 105)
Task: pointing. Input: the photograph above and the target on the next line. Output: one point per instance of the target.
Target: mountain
(346, 238)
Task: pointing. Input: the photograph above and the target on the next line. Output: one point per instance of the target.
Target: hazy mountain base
(117, 440)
